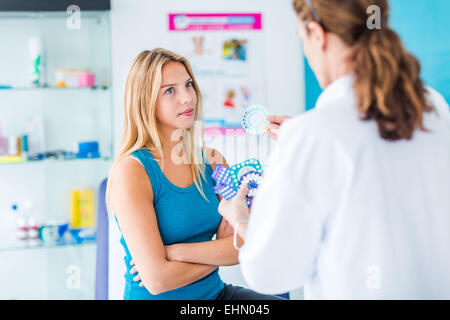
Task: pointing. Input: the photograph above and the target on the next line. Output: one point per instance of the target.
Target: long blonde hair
(140, 124)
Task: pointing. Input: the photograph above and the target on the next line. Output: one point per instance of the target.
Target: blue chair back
(101, 273)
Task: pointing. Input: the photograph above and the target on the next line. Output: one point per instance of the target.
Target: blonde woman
(161, 192)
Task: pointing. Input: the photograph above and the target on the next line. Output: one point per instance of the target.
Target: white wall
(141, 24)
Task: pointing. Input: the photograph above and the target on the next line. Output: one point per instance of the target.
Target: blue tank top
(183, 216)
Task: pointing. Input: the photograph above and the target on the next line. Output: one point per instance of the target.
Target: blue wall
(424, 28)
(312, 88)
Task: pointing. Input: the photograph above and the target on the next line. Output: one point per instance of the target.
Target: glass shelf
(47, 246)
(52, 88)
(42, 15)
(50, 161)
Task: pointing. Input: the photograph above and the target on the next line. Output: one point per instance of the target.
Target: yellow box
(9, 159)
(82, 208)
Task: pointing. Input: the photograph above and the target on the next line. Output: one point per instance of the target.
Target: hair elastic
(314, 12)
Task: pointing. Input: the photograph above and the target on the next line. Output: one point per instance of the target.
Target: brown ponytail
(387, 84)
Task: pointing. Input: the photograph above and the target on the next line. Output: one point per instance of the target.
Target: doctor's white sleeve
(305, 181)
(438, 102)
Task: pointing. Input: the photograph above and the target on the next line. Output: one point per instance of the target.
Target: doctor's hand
(236, 209)
(275, 124)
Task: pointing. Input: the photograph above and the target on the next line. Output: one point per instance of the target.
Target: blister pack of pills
(228, 181)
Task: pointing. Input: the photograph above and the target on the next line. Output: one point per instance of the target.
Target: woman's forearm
(220, 252)
(174, 274)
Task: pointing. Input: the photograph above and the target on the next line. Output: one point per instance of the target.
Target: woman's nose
(186, 96)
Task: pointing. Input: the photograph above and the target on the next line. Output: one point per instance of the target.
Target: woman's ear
(316, 34)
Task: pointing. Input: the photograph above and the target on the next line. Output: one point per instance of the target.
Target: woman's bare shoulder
(129, 176)
(127, 167)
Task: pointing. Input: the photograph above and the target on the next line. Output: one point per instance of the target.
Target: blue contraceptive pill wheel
(254, 119)
(240, 169)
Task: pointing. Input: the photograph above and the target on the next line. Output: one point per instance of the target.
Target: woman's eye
(169, 91)
(189, 84)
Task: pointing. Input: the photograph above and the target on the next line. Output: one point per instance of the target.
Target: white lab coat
(348, 215)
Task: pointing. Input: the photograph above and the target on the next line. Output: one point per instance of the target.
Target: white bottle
(31, 224)
(33, 232)
(34, 129)
(13, 146)
(37, 60)
(22, 231)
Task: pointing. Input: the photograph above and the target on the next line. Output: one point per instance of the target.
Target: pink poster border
(256, 25)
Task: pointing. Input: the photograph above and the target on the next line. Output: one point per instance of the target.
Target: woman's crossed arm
(132, 203)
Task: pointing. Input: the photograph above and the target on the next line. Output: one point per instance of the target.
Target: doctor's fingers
(242, 192)
(277, 119)
(273, 132)
(273, 135)
(273, 129)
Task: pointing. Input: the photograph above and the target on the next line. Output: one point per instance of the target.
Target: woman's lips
(187, 113)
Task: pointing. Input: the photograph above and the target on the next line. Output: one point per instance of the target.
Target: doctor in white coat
(355, 202)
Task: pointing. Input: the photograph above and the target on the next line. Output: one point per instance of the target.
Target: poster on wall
(226, 52)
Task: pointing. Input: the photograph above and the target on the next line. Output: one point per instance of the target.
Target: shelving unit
(70, 115)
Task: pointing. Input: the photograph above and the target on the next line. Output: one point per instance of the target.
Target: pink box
(86, 79)
(223, 131)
